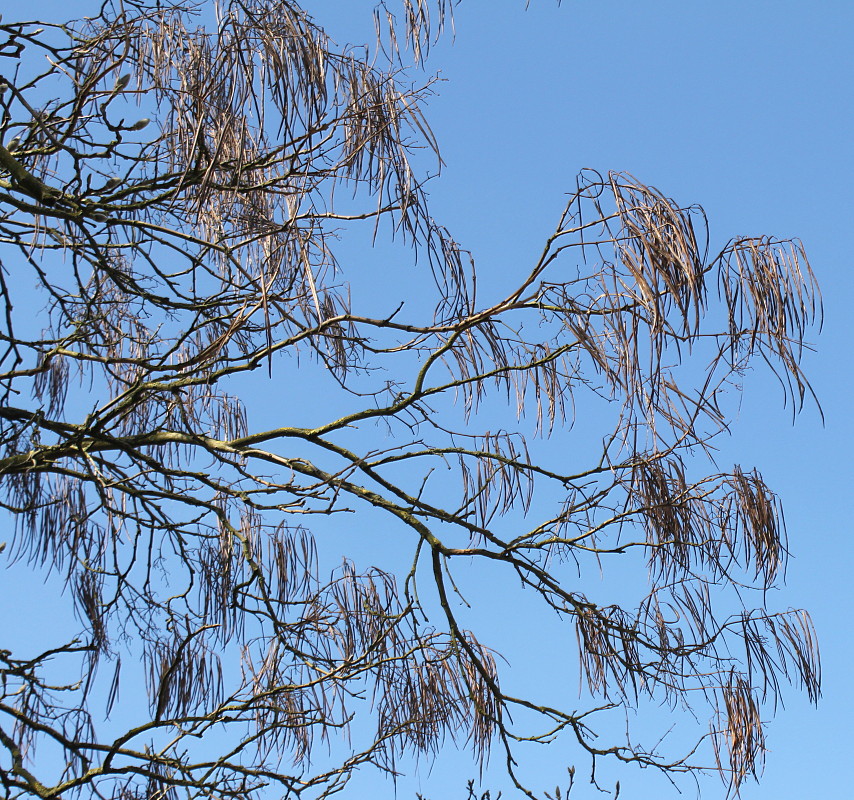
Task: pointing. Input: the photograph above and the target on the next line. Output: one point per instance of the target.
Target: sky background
(747, 109)
(744, 107)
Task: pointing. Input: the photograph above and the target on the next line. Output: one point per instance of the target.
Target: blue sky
(743, 107)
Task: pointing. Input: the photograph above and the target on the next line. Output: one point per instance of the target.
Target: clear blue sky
(743, 107)
(747, 109)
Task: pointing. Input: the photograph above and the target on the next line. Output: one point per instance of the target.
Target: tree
(178, 259)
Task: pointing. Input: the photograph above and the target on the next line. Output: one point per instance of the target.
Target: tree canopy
(187, 291)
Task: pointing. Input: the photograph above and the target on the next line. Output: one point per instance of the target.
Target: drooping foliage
(177, 187)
